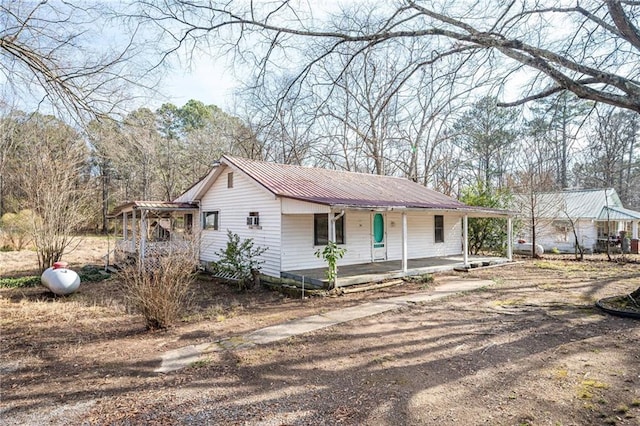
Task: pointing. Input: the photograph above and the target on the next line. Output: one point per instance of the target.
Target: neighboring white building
(597, 215)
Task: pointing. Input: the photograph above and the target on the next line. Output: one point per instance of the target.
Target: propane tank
(60, 280)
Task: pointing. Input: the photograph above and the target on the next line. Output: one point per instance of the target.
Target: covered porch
(147, 229)
(613, 225)
(391, 269)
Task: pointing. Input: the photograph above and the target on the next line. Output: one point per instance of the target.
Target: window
(604, 231)
(253, 220)
(562, 229)
(439, 228)
(230, 180)
(321, 229)
(188, 222)
(210, 220)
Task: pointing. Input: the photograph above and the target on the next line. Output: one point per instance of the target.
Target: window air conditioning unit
(253, 220)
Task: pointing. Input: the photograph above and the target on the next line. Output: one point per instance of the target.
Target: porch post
(143, 233)
(465, 240)
(133, 231)
(634, 229)
(404, 242)
(124, 226)
(509, 239)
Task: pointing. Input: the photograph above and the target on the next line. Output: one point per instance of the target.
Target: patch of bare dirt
(531, 349)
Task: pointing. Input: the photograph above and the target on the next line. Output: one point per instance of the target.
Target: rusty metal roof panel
(334, 187)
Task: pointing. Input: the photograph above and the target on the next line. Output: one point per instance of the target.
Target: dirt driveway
(529, 350)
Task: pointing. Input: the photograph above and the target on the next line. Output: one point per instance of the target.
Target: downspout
(332, 227)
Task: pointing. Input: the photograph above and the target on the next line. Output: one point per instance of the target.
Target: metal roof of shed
(578, 203)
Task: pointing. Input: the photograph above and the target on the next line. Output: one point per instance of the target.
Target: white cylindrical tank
(525, 248)
(60, 280)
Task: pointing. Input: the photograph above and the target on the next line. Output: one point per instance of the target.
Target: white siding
(290, 206)
(548, 237)
(421, 236)
(298, 249)
(234, 205)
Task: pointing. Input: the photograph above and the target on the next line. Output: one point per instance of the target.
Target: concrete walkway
(183, 357)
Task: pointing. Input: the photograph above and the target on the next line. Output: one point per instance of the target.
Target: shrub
(331, 253)
(160, 288)
(20, 282)
(240, 259)
(90, 273)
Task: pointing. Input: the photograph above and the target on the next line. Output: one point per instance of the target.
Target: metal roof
(618, 213)
(582, 203)
(348, 189)
(152, 205)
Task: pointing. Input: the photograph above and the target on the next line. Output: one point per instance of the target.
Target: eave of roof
(618, 213)
(152, 205)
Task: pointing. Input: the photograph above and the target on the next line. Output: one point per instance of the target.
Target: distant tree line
(149, 155)
(156, 155)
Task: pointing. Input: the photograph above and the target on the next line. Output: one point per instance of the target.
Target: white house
(596, 214)
(295, 210)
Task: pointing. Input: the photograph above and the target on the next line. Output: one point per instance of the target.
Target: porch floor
(390, 269)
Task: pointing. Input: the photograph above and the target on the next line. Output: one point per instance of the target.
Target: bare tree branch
(583, 63)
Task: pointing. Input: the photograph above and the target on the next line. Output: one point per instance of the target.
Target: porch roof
(157, 206)
(618, 213)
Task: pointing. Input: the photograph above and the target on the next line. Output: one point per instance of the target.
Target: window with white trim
(438, 221)
(253, 220)
(321, 229)
(210, 220)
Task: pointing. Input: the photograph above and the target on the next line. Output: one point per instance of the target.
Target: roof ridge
(321, 169)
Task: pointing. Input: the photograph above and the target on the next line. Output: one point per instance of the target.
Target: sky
(205, 81)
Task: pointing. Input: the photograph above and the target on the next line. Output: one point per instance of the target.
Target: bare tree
(611, 158)
(65, 56)
(590, 49)
(8, 158)
(55, 184)
(486, 135)
(141, 140)
(556, 125)
(535, 204)
(103, 137)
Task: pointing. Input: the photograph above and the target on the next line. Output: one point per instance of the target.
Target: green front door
(378, 237)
